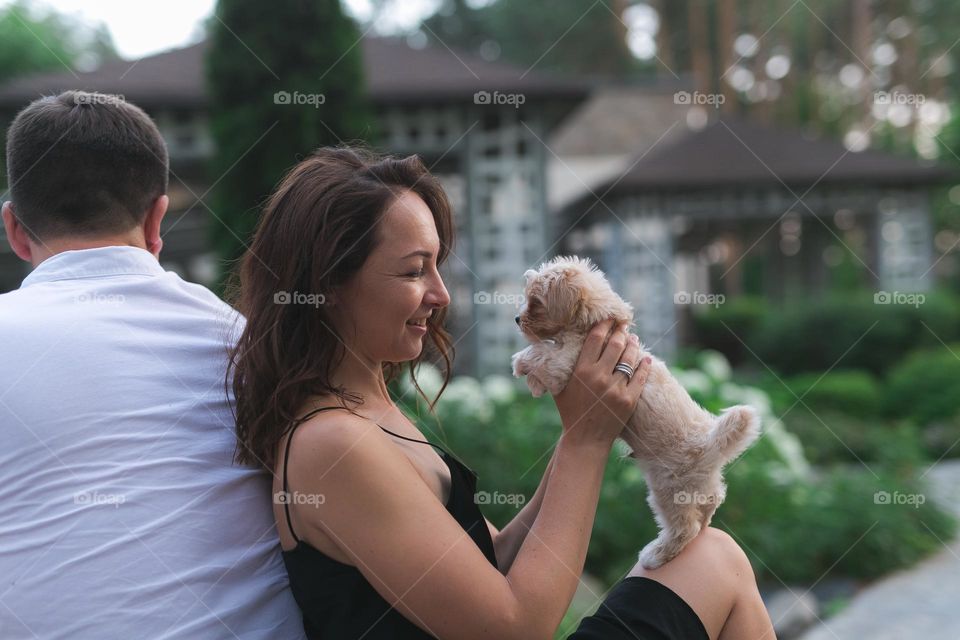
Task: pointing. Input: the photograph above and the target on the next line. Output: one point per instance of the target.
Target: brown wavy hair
(317, 230)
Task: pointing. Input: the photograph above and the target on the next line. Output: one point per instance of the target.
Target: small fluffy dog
(680, 446)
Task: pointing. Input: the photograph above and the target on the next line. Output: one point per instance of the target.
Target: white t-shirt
(122, 514)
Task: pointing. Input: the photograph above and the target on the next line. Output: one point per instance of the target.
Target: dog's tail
(734, 431)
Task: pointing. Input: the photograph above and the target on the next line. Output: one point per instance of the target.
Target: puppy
(680, 446)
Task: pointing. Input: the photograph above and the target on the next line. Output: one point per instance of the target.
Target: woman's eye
(416, 274)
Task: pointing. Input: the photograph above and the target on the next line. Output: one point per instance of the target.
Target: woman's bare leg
(714, 576)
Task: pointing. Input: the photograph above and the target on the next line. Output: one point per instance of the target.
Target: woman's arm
(391, 526)
(507, 541)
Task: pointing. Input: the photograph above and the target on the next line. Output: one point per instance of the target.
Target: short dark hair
(84, 164)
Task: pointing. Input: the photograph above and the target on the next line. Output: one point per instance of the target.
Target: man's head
(84, 170)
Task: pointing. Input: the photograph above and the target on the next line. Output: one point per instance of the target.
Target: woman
(380, 533)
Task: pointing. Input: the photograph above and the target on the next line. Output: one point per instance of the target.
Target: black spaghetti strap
(412, 440)
(286, 458)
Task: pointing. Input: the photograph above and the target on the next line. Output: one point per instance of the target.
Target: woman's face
(381, 311)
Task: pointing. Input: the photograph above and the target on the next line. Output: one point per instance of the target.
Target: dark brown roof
(732, 152)
(621, 120)
(395, 72)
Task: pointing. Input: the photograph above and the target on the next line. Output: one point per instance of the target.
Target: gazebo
(737, 207)
(480, 125)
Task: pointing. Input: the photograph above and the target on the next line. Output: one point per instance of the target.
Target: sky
(144, 27)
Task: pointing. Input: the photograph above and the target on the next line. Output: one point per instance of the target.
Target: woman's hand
(597, 401)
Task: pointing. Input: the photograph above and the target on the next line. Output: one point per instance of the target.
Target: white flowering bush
(792, 522)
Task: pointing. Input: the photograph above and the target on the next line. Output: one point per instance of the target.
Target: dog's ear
(564, 298)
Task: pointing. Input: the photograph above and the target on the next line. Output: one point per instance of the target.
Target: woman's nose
(439, 295)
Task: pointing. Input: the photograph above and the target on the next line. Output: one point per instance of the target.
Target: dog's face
(568, 294)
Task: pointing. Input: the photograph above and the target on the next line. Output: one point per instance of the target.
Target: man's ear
(151, 225)
(16, 233)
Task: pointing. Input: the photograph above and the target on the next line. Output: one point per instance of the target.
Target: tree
(42, 40)
(569, 37)
(284, 78)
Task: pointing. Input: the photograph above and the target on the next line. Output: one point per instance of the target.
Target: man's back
(123, 514)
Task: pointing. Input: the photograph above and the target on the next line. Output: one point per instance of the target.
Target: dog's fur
(681, 447)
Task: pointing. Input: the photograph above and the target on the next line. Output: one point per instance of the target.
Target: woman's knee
(713, 555)
(711, 574)
(722, 544)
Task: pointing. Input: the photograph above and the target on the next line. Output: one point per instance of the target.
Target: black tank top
(336, 600)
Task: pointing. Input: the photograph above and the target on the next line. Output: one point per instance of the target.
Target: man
(123, 515)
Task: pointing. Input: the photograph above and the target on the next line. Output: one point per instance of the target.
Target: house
(730, 207)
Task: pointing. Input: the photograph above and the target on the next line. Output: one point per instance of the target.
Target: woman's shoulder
(329, 433)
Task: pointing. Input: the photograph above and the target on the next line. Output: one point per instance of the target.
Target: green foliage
(852, 331)
(836, 524)
(34, 39)
(723, 327)
(926, 385)
(852, 391)
(262, 57)
(792, 522)
(561, 36)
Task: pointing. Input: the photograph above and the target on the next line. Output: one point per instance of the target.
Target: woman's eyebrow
(419, 252)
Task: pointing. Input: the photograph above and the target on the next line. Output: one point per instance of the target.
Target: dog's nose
(517, 319)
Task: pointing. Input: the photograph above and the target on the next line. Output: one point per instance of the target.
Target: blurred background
(774, 186)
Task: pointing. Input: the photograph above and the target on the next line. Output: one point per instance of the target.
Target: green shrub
(851, 331)
(852, 391)
(790, 522)
(926, 385)
(941, 438)
(722, 328)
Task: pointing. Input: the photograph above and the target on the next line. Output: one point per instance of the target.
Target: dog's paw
(521, 365)
(536, 387)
